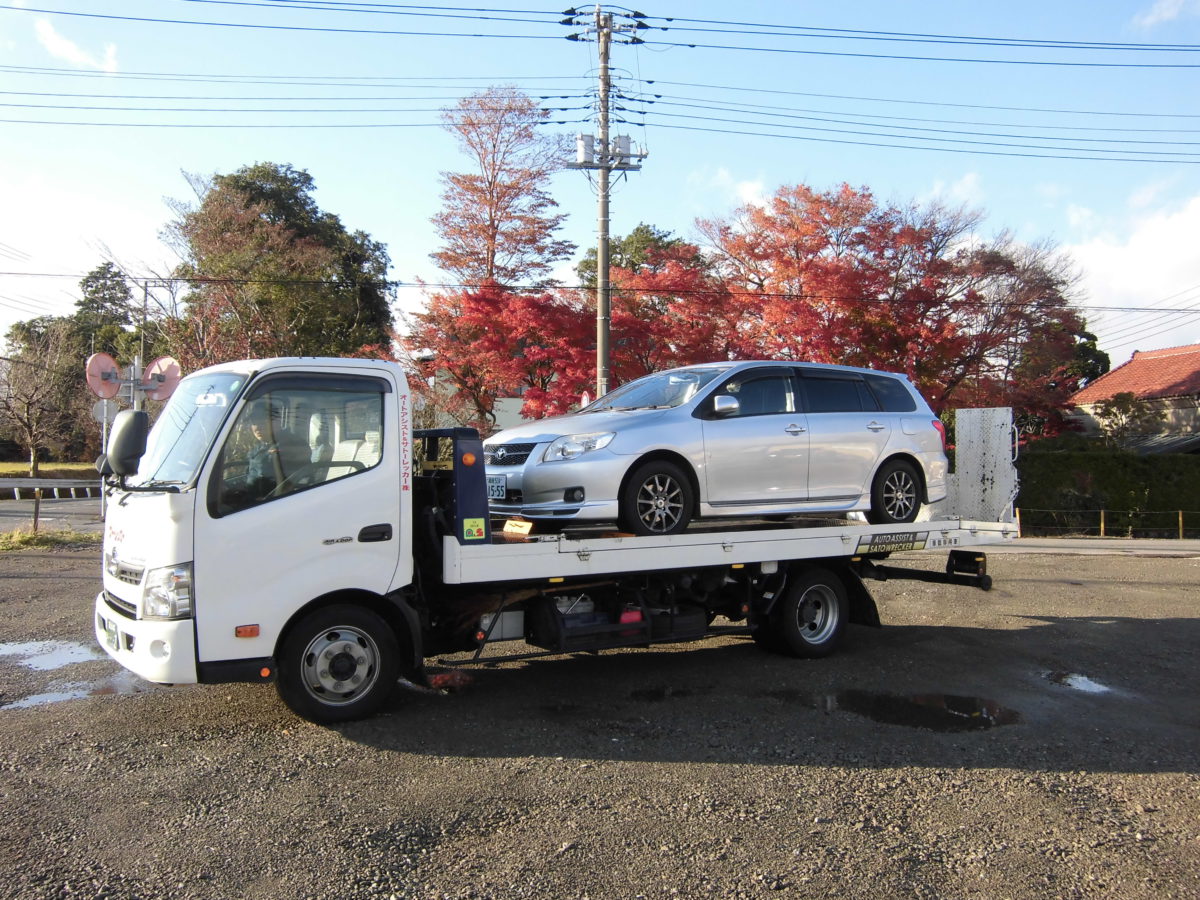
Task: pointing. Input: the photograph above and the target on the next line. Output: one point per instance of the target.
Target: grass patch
(50, 470)
(48, 539)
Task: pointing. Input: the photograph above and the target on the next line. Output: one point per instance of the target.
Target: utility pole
(603, 154)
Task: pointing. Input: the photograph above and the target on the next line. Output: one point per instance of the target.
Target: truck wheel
(895, 494)
(657, 499)
(338, 663)
(812, 614)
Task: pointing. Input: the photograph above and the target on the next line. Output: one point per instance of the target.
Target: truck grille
(123, 571)
(122, 607)
(507, 454)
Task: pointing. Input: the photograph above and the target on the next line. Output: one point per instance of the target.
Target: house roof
(1149, 375)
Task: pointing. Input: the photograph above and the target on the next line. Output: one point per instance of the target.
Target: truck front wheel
(338, 663)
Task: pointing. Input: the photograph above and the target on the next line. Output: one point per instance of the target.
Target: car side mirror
(725, 406)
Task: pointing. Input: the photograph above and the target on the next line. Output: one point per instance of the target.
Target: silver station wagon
(726, 439)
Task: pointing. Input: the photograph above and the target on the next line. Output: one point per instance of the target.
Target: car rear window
(837, 394)
(892, 394)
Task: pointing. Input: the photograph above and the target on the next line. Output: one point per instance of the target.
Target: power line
(948, 59)
(933, 148)
(924, 36)
(1037, 109)
(290, 28)
(752, 108)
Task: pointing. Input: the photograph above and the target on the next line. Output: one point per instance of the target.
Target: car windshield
(186, 428)
(662, 390)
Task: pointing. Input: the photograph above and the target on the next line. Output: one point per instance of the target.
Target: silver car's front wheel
(657, 499)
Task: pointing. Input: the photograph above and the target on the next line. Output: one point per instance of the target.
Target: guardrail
(1142, 523)
(51, 488)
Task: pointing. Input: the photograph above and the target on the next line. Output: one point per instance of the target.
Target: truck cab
(261, 482)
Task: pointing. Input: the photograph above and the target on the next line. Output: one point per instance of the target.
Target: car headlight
(168, 593)
(570, 446)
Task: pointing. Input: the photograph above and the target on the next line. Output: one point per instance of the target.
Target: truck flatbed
(563, 556)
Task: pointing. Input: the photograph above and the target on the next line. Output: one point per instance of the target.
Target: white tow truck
(283, 522)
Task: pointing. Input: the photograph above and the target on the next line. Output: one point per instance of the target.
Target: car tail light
(941, 430)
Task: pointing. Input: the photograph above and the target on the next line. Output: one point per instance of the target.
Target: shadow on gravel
(1101, 694)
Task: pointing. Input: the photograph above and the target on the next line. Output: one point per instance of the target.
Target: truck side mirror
(126, 442)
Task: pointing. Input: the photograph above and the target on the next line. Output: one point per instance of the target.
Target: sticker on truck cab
(474, 529)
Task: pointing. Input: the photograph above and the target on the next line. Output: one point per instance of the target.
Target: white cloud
(1166, 11)
(1149, 194)
(64, 48)
(966, 191)
(1155, 265)
(1081, 217)
(751, 193)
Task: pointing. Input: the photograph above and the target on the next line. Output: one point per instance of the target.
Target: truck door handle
(875, 426)
(373, 534)
(795, 429)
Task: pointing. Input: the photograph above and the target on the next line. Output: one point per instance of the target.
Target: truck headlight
(570, 446)
(168, 593)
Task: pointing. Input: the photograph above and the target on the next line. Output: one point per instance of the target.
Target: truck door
(300, 499)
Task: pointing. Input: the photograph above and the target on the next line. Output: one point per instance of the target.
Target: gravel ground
(1040, 740)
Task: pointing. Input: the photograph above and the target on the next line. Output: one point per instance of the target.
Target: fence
(1126, 523)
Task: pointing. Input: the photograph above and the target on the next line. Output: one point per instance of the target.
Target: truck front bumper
(162, 651)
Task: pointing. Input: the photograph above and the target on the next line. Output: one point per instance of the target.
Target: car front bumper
(539, 490)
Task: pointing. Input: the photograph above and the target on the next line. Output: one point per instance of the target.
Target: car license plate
(497, 487)
(110, 634)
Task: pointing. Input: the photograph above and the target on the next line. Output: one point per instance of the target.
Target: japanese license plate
(110, 634)
(497, 487)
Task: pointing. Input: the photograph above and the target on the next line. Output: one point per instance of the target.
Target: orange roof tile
(1150, 374)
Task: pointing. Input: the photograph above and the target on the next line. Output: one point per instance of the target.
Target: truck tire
(338, 663)
(895, 494)
(811, 616)
(656, 500)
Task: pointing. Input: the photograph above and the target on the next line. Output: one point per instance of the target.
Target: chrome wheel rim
(899, 495)
(340, 665)
(817, 614)
(660, 503)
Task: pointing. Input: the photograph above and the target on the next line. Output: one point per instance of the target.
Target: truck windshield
(661, 390)
(186, 428)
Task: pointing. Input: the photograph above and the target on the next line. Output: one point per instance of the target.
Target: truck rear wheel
(811, 616)
(338, 663)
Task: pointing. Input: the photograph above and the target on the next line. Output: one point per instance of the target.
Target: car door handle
(875, 426)
(795, 429)
(373, 534)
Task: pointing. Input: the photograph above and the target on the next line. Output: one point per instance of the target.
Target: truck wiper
(150, 487)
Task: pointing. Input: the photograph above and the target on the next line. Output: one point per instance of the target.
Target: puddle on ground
(1078, 682)
(121, 683)
(934, 712)
(45, 656)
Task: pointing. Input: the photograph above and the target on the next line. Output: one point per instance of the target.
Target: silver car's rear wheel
(657, 499)
(895, 494)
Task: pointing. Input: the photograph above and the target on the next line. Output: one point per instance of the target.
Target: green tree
(104, 312)
(271, 274)
(645, 246)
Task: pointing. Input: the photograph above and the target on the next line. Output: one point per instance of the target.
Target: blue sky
(103, 109)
